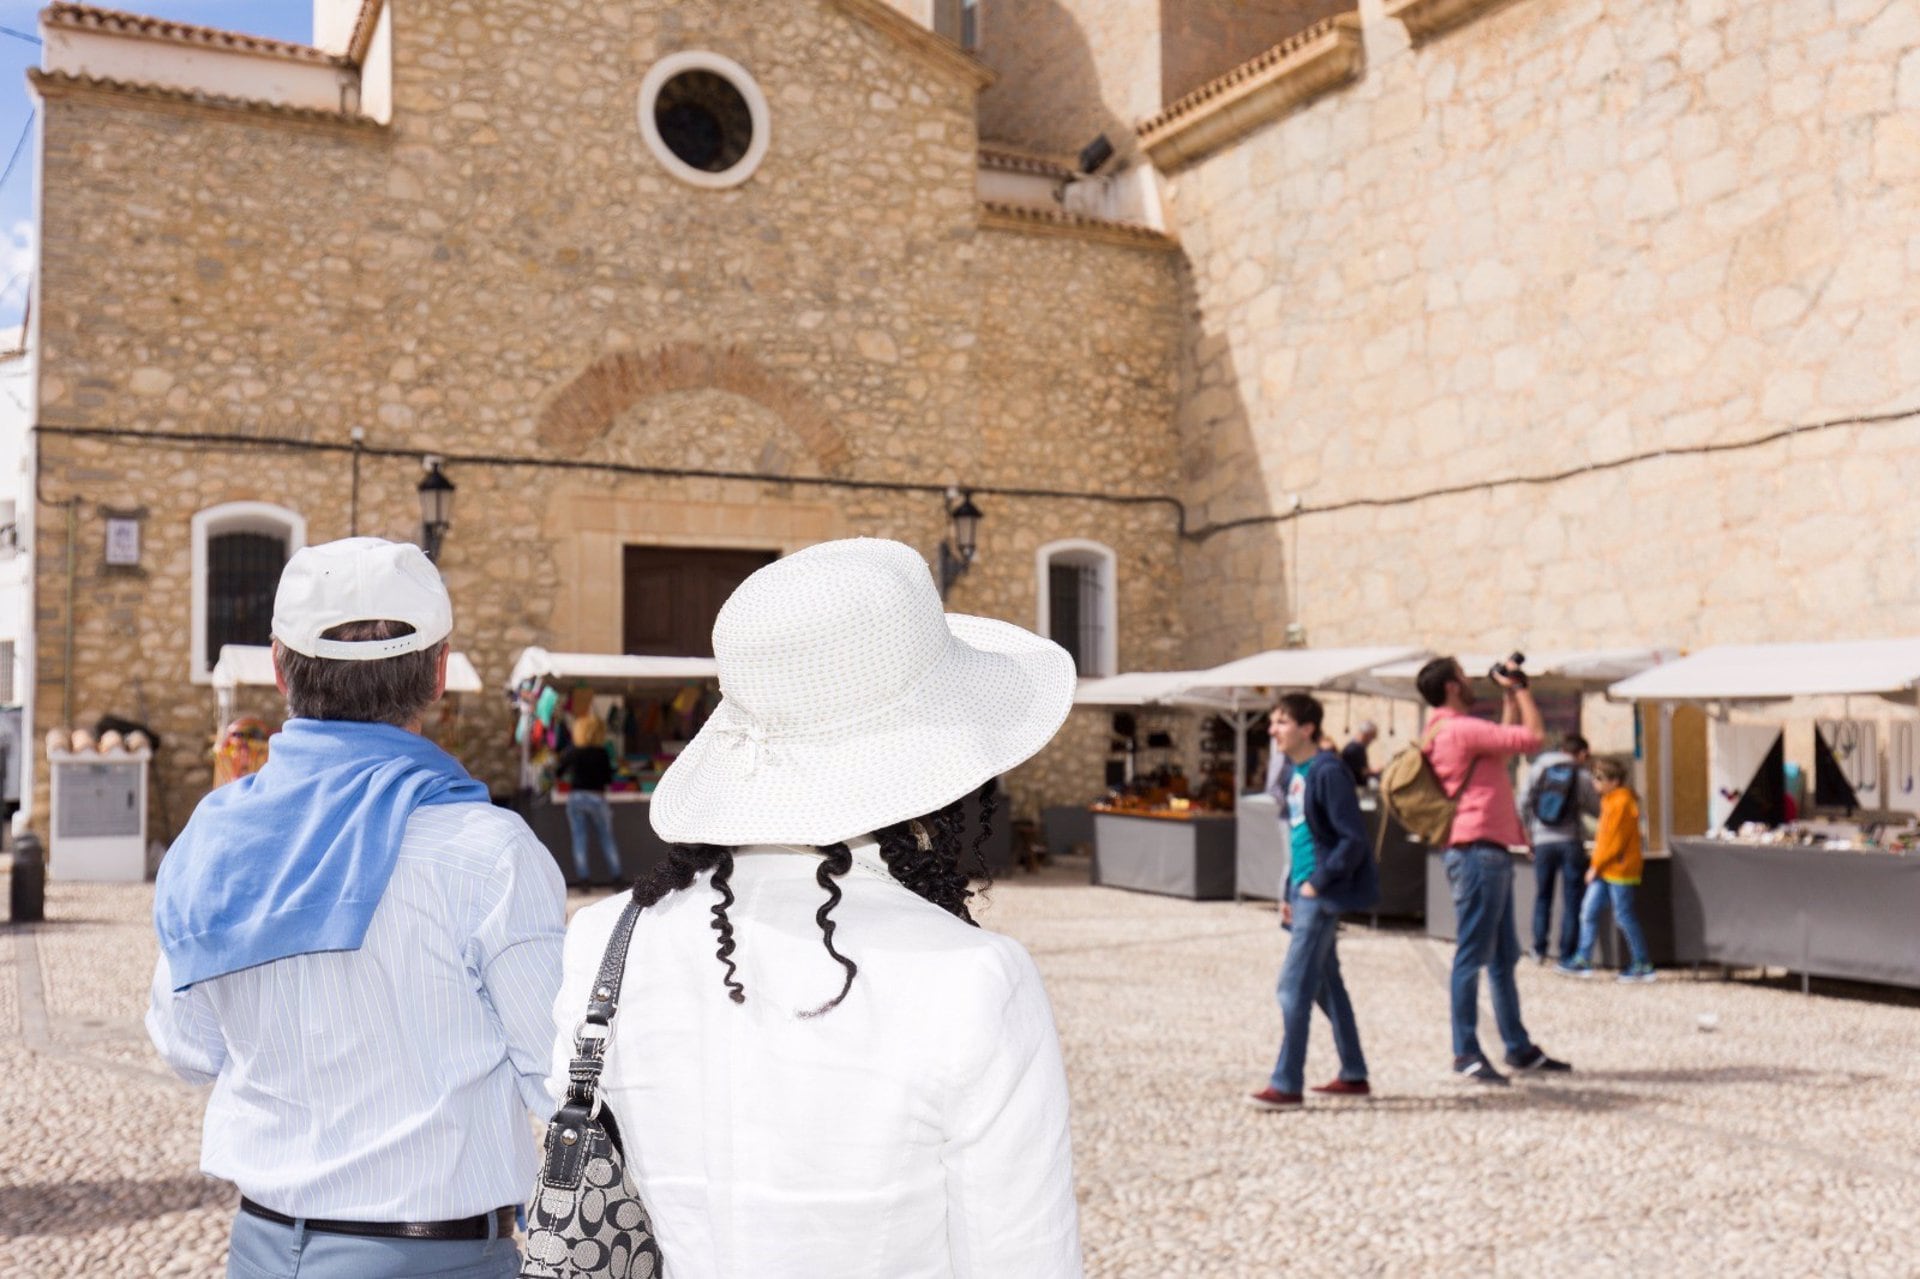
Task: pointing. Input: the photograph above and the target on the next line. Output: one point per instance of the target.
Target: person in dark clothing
(588, 770)
(1332, 872)
(1354, 753)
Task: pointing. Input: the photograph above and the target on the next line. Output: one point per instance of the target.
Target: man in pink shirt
(1469, 757)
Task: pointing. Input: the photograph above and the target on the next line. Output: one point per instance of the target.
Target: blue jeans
(261, 1249)
(1481, 877)
(589, 808)
(1565, 861)
(1622, 894)
(1311, 975)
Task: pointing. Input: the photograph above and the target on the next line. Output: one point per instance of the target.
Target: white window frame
(231, 517)
(733, 73)
(1082, 553)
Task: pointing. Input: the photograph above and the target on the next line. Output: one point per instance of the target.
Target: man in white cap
(360, 953)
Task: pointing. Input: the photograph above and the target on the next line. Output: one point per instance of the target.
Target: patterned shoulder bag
(585, 1220)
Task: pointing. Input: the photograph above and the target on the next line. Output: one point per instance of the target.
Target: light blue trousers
(267, 1250)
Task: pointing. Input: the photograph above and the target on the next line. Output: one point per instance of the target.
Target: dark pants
(1565, 861)
(1481, 877)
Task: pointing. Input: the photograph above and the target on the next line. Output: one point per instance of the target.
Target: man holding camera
(1468, 756)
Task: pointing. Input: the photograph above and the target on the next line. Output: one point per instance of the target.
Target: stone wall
(506, 274)
(1572, 235)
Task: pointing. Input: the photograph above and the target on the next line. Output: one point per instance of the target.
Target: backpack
(1411, 794)
(1553, 798)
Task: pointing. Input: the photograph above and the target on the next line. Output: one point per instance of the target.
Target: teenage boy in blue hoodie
(1331, 872)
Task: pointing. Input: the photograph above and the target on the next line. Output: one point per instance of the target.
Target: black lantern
(436, 507)
(956, 554)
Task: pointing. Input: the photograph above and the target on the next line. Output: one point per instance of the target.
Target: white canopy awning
(611, 668)
(1769, 672)
(1590, 670)
(251, 665)
(1136, 688)
(1338, 669)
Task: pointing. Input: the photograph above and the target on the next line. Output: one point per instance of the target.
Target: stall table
(1654, 904)
(1820, 913)
(1187, 855)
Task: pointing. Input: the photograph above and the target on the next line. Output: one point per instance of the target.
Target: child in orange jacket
(1613, 873)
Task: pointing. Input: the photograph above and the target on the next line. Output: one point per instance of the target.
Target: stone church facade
(1308, 352)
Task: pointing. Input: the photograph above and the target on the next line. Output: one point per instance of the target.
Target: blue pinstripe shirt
(391, 1083)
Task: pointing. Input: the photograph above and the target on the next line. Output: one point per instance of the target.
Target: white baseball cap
(360, 579)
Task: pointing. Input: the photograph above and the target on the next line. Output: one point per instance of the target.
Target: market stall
(1832, 892)
(1168, 834)
(652, 707)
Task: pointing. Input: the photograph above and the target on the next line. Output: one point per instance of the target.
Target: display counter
(1654, 904)
(1187, 854)
(1853, 915)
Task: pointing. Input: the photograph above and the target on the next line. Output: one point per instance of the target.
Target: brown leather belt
(488, 1225)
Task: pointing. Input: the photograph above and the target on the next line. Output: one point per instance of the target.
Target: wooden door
(672, 594)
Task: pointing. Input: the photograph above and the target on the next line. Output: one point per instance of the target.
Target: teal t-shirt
(1302, 838)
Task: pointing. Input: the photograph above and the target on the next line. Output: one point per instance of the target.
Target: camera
(1510, 669)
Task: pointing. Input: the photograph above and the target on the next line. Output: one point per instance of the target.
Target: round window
(704, 119)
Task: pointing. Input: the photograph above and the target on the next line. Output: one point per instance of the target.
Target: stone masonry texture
(1564, 233)
(507, 272)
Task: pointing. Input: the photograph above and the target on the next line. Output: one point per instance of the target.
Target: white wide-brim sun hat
(852, 701)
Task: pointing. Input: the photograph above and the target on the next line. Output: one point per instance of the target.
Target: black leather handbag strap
(603, 1000)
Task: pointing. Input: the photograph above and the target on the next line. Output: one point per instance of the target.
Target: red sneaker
(1273, 1099)
(1345, 1088)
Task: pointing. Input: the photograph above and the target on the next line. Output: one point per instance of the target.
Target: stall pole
(1666, 776)
(1239, 750)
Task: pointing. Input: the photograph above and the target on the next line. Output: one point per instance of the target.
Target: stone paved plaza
(1784, 1141)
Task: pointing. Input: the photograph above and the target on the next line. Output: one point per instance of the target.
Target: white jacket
(917, 1131)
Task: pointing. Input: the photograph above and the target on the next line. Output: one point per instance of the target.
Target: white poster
(1735, 753)
(1855, 746)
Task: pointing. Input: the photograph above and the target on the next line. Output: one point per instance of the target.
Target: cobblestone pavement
(1785, 1141)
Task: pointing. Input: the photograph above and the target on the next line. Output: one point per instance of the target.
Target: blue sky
(283, 19)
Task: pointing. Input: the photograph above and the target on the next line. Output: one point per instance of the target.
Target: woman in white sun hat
(821, 1065)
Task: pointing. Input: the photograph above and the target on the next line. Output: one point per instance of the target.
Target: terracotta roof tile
(86, 17)
(1225, 82)
(57, 82)
(1016, 217)
(995, 155)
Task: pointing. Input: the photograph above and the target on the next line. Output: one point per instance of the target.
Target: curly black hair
(930, 855)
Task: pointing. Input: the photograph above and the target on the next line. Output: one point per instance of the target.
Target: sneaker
(1345, 1088)
(1273, 1099)
(1537, 955)
(1575, 968)
(1638, 973)
(1477, 1070)
(1536, 1062)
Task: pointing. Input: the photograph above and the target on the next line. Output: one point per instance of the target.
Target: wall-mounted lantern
(956, 553)
(436, 507)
